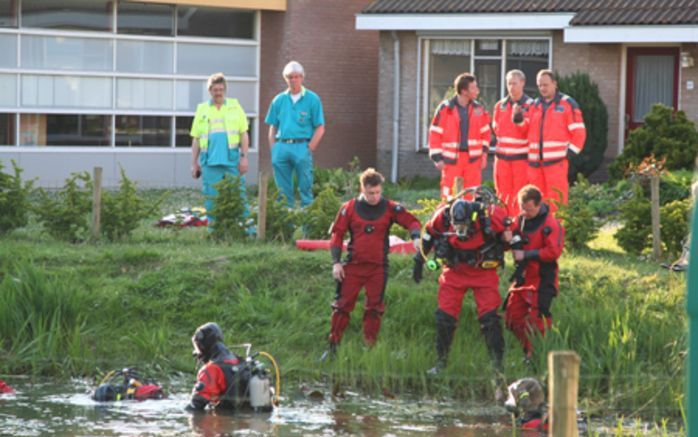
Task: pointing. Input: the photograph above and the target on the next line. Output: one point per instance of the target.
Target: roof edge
(478, 21)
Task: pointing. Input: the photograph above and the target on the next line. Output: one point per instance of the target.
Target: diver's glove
(418, 268)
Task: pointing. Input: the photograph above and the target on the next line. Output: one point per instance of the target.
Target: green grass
(79, 309)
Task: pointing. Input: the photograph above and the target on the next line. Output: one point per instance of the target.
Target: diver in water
(225, 380)
(126, 384)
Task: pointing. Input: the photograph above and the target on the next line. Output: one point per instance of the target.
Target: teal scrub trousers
(287, 158)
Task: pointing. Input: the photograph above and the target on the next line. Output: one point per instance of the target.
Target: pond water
(66, 409)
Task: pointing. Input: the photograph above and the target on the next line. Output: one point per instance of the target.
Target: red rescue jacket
(555, 129)
(512, 138)
(544, 242)
(445, 135)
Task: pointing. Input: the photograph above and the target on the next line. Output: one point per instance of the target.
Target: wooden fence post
(563, 368)
(656, 231)
(262, 184)
(457, 185)
(96, 202)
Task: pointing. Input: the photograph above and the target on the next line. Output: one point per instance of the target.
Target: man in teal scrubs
(220, 140)
(296, 126)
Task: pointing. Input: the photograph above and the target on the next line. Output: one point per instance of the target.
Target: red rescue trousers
(471, 172)
(552, 182)
(522, 316)
(509, 177)
(455, 281)
(357, 276)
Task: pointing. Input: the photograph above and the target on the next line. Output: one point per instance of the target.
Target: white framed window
(150, 94)
(441, 59)
(8, 85)
(151, 57)
(66, 91)
(8, 48)
(66, 53)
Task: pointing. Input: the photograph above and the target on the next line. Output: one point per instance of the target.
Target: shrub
(674, 220)
(675, 185)
(634, 235)
(586, 93)
(341, 181)
(423, 213)
(14, 203)
(65, 214)
(577, 216)
(665, 134)
(281, 221)
(319, 216)
(123, 209)
(229, 210)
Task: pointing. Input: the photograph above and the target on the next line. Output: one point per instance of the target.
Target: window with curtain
(654, 83)
(529, 56)
(447, 59)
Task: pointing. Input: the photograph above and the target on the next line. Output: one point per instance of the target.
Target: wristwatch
(242, 154)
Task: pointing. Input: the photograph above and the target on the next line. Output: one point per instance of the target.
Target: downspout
(396, 106)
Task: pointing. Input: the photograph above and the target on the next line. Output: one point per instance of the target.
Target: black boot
(445, 328)
(491, 328)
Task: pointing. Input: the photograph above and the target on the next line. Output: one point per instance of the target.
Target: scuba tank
(260, 392)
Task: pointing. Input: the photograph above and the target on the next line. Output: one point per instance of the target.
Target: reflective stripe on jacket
(554, 130)
(512, 138)
(445, 135)
(235, 122)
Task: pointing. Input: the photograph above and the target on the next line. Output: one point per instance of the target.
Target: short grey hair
(293, 67)
(518, 73)
(214, 79)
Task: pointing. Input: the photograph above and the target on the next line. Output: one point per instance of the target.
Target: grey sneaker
(330, 354)
(434, 371)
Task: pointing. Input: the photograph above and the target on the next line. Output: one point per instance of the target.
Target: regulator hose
(278, 376)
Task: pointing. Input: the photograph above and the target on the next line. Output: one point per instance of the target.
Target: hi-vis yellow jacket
(234, 123)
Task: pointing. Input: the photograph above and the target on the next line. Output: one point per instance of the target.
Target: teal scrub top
(298, 120)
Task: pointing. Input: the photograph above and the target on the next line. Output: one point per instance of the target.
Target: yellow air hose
(277, 392)
(108, 376)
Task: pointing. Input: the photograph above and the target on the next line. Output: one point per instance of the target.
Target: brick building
(620, 43)
(110, 83)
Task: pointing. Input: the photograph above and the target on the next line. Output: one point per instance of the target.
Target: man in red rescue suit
(215, 382)
(540, 239)
(556, 131)
(459, 136)
(368, 219)
(510, 126)
(469, 237)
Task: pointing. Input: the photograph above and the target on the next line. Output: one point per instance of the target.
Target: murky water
(66, 409)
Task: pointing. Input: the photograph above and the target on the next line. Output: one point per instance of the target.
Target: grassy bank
(78, 309)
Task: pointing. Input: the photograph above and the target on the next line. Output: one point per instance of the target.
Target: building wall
(410, 162)
(689, 98)
(603, 64)
(341, 65)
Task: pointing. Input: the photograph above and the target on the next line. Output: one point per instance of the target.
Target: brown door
(653, 77)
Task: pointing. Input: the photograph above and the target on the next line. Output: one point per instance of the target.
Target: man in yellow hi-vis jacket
(220, 140)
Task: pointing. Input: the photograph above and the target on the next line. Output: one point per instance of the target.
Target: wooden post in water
(96, 202)
(262, 184)
(656, 232)
(457, 185)
(563, 368)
